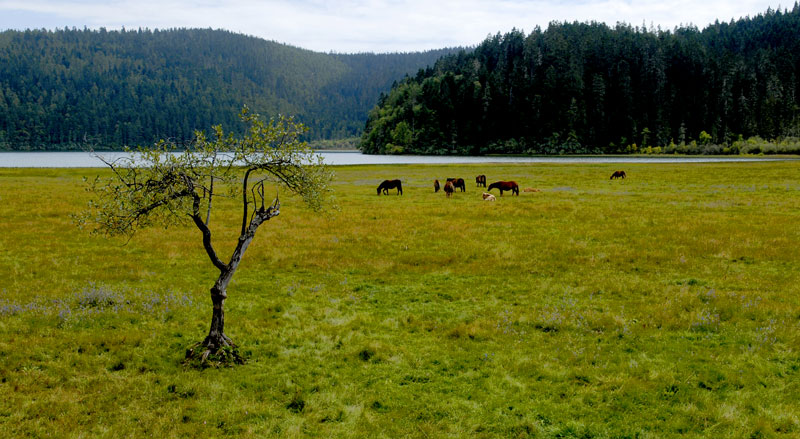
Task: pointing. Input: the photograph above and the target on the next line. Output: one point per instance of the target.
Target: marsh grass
(664, 305)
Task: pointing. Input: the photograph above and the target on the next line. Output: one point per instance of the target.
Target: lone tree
(161, 185)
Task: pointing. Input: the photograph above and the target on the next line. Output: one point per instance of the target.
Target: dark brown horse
(618, 174)
(435, 185)
(390, 184)
(480, 180)
(505, 186)
(458, 183)
(449, 189)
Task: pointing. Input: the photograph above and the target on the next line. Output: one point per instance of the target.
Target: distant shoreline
(82, 159)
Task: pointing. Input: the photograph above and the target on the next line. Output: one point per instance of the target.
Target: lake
(86, 160)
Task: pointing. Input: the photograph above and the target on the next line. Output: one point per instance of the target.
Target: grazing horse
(390, 184)
(505, 186)
(435, 186)
(488, 197)
(458, 183)
(449, 189)
(480, 180)
(617, 174)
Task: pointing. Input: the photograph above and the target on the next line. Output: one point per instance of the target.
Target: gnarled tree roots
(215, 351)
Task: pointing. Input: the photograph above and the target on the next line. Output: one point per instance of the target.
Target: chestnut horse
(458, 183)
(390, 184)
(505, 186)
(480, 180)
(449, 189)
(617, 174)
(435, 185)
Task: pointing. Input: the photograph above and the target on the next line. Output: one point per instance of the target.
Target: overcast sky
(368, 25)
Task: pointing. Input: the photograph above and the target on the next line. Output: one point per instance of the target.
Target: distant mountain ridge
(589, 88)
(60, 89)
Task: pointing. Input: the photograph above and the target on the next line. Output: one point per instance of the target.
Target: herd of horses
(451, 184)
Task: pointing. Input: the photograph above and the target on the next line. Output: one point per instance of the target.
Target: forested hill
(59, 89)
(590, 88)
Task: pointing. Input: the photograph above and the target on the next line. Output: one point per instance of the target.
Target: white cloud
(367, 25)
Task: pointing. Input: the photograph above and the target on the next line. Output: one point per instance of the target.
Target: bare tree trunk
(216, 338)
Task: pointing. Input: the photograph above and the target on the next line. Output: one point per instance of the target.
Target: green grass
(665, 305)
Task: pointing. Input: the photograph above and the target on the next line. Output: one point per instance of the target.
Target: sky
(380, 26)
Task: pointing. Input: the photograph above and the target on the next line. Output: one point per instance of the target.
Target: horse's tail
(399, 188)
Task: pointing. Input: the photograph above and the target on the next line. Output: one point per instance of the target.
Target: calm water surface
(86, 160)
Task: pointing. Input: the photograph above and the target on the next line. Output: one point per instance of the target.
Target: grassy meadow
(664, 305)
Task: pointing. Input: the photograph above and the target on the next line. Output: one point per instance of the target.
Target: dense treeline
(61, 89)
(589, 88)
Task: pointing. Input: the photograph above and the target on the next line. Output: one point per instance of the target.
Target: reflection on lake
(86, 160)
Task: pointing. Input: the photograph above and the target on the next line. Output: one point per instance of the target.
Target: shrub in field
(757, 145)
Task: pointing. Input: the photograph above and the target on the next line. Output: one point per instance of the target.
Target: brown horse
(435, 186)
(480, 180)
(505, 186)
(618, 174)
(449, 189)
(458, 183)
(390, 184)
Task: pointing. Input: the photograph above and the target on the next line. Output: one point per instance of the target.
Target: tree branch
(244, 199)
(134, 216)
(112, 165)
(198, 221)
(210, 196)
(211, 186)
